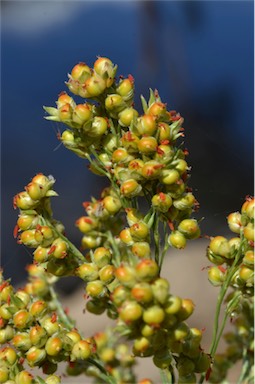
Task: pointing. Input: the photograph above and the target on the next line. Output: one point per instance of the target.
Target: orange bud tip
(15, 231)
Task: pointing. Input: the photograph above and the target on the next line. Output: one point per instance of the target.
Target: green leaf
(16, 301)
(51, 111)
(51, 193)
(152, 98)
(144, 104)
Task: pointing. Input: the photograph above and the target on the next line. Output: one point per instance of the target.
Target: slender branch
(63, 316)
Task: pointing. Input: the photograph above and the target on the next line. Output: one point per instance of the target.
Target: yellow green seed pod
(130, 188)
(161, 202)
(153, 315)
(189, 228)
(87, 271)
(130, 311)
(126, 88)
(177, 240)
(147, 145)
(53, 346)
(105, 69)
(169, 176)
(127, 116)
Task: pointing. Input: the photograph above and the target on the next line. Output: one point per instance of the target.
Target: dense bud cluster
(31, 330)
(234, 267)
(239, 251)
(123, 245)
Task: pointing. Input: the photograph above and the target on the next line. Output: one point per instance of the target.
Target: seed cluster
(126, 233)
(234, 264)
(238, 250)
(32, 331)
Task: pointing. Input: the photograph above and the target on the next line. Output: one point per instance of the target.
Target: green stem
(63, 316)
(156, 238)
(246, 375)
(76, 253)
(216, 333)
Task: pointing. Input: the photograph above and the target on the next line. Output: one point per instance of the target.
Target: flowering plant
(126, 233)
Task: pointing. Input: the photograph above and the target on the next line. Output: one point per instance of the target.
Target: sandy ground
(188, 278)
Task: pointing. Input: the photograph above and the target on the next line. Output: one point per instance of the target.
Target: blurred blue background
(198, 54)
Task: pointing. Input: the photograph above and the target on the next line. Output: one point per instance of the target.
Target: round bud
(38, 336)
(216, 275)
(87, 271)
(112, 204)
(139, 231)
(234, 222)
(220, 246)
(81, 350)
(24, 377)
(162, 202)
(82, 113)
(173, 305)
(169, 176)
(44, 235)
(106, 274)
(86, 224)
(130, 142)
(177, 240)
(90, 242)
(114, 104)
(58, 248)
(130, 188)
(186, 310)
(38, 308)
(27, 221)
(23, 201)
(21, 319)
(35, 356)
(130, 311)
(158, 110)
(102, 256)
(152, 170)
(22, 341)
(8, 355)
(142, 293)
(146, 125)
(126, 88)
(127, 116)
(160, 288)
(147, 145)
(248, 232)
(153, 315)
(147, 270)
(99, 127)
(96, 289)
(52, 379)
(53, 346)
(81, 72)
(185, 202)
(126, 275)
(41, 254)
(94, 86)
(189, 228)
(141, 249)
(120, 295)
(248, 259)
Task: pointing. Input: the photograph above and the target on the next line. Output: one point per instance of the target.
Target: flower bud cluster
(115, 356)
(155, 319)
(239, 250)
(240, 343)
(139, 154)
(36, 229)
(35, 333)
